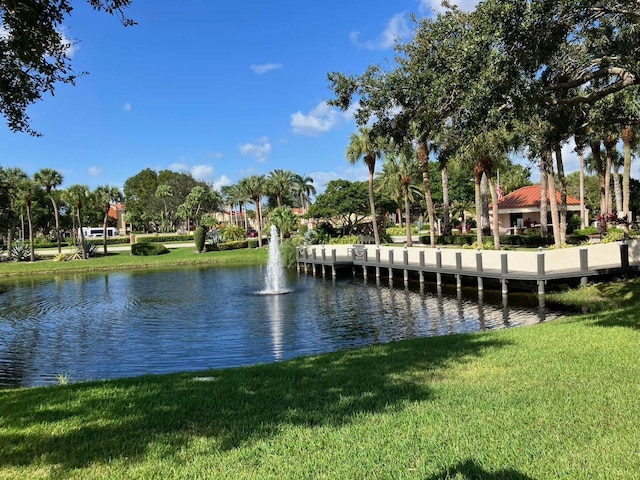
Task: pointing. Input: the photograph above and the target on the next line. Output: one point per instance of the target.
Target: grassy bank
(118, 260)
(557, 400)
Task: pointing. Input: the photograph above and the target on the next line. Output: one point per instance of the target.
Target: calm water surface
(130, 323)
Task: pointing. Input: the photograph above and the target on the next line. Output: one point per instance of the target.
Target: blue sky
(222, 90)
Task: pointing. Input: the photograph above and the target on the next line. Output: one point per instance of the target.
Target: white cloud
(221, 182)
(397, 28)
(178, 167)
(435, 6)
(94, 171)
(354, 173)
(320, 119)
(203, 173)
(126, 107)
(266, 67)
(260, 150)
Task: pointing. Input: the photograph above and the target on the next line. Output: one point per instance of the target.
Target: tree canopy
(33, 52)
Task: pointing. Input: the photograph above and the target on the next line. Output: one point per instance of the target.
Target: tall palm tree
(280, 183)
(388, 182)
(163, 192)
(253, 188)
(105, 196)
(365, 145)
(13, 177)
(26, 195)
(79, 196)
(50, 179)
(304, 188)
(629, 136)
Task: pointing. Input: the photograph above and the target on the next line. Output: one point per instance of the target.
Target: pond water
(131, 323)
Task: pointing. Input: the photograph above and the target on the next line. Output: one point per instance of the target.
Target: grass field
(123, 260)
(556, 400)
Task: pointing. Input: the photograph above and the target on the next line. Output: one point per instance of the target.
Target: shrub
(232, 233)
(288, 254)
(252, 243)
(20, 252)
(400, 231)
(233, 245)
(586, 231)
(613, 235)
(199, 238)
(147, 249)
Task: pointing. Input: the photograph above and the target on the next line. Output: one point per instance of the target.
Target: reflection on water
(131, 323)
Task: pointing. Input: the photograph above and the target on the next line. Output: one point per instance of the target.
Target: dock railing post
(624, 257)
(420, 272)
(458, 268)
(324, 254)
(405, 260)
(365, 257)
(541, 271)
(438, 266)
(584, 265)
(333, 263)
(504, 269)
(390, 264)
(479, 269)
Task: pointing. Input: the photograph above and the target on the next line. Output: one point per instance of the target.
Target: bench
(357, 250)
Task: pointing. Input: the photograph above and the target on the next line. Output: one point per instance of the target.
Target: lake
(124, 324)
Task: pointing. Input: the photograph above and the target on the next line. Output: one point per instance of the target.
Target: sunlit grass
(119, 260)
(557, 400)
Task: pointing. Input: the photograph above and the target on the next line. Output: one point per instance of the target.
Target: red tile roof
(527, 197)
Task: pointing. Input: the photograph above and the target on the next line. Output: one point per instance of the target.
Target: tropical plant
(369, 147)
(280, 183)
(78, 196)
(50, 179)
(105, 196)
(199, 237)
(284, 219)
(253, 188)
(20, 252)
(26, 195)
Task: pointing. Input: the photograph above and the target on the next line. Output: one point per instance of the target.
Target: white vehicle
(98, 232)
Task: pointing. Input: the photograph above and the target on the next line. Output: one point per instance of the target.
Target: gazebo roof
(529, 197)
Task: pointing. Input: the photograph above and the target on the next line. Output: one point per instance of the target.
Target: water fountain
(274, 278)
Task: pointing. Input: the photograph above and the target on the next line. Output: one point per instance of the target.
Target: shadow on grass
(471, 470)
(80, 424)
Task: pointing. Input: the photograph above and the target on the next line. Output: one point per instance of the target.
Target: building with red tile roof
(521, 208)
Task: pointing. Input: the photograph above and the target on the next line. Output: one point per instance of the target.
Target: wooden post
(420, 272)
(584, 265)
(438, 267)
(479, 269)
(504, 269)
(458, 268)
(541, 271)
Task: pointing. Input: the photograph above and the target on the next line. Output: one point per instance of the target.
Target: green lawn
(121, 260)
(557, 400)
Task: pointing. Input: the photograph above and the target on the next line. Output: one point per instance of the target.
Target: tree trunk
(32, 253)
(595, 150)
(609, 145)
(617, 188)
(104, 230)
(484, 192)
(372, 205)
(543, 198)
(423, 159)
(583, 216)
(407, 212)
(84, 252)
(496, 221)
(445, 200)
(477, 176)
(56, 216)
(553, 199)
(627, 137)
(563, 195)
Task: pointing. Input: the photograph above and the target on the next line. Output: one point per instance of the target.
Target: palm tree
(284, 219)
(253, 188)
(459, 209)
(50, 179)
(105, 196)
(280, 183)
(364, 145)
(12, 177)
(629, 136)
(163, 192)
(26, 195)
(304, 188)
(78, 196)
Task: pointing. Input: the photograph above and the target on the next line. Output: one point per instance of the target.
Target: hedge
(511, 240)
(148, 249)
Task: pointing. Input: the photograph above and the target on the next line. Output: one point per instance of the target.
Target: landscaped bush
(232, 233)
(233, 245)
(199, 237)
(288, 253)
(398, 231)
(252, 243)
(148, 249)
(347, 239)
(586, 231)
(531, 241)
(613, 235)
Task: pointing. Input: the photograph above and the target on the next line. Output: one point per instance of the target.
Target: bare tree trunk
(478, 197)
(617, 188)
(609, 145)
(407, 212)
(484, 191)
(563, 195)
(627, 137)
(445, 201)
(423, 159)
(372, 206)
(32, 253)
(583, 216)
(553, 199)
(543, 199)
(496, 221)
(595, 150)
